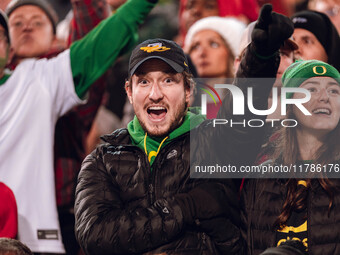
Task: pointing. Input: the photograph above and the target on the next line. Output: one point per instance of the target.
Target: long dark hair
(287, 152)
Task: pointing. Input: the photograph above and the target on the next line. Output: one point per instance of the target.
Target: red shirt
(8, 213)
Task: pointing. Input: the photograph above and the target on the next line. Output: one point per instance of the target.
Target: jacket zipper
(151, 193)
(149, 176)
(203, 237)
(156, 163)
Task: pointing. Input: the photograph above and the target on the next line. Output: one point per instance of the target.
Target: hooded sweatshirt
(152, 145)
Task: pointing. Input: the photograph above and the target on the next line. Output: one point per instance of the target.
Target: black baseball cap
(42, 4)
(3, 22)
(166, 50)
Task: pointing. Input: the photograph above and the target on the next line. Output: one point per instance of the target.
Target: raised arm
(261, 60)
(92, 55)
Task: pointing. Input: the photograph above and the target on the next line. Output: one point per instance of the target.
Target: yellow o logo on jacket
(152, 154)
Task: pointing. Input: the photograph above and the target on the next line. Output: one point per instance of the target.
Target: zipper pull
(203, 236)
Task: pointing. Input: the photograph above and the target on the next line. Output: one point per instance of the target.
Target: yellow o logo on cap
(324, 70)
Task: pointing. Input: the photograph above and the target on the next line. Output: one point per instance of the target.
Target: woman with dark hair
(305, 205)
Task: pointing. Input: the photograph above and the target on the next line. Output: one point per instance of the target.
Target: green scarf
(152, 145)
(4, 78)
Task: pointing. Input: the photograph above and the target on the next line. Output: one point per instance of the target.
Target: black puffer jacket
(124, 208)
(262, 202)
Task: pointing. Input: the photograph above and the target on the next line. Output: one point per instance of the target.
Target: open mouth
(322, 111)
(157, 112)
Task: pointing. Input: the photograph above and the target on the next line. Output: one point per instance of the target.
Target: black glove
(270, 31)
(220, 229)
(206, 201)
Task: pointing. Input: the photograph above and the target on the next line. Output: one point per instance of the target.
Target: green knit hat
(300, 71)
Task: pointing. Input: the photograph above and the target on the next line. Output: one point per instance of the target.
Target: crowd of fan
(63, 85)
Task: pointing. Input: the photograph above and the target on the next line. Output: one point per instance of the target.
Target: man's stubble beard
(179, 117)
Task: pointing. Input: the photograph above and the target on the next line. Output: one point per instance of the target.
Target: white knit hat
(230, 29)
(246, 38)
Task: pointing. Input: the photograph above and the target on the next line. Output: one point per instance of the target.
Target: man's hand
(206, 201)
(270, 31)
(220, 229)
